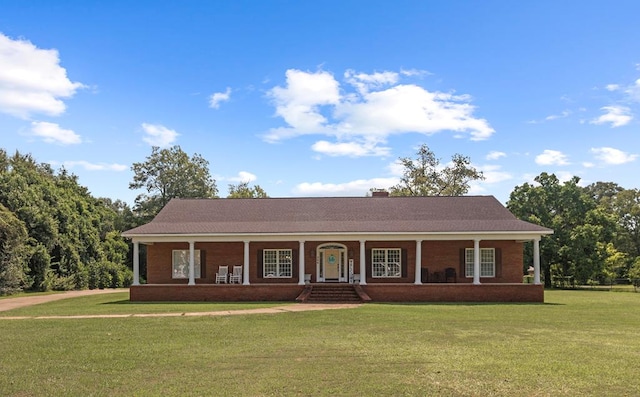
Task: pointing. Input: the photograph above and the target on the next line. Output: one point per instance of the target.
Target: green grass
(28, 293)
(577, 343)
(118, 303)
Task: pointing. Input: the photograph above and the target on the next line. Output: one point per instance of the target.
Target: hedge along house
(403, 249)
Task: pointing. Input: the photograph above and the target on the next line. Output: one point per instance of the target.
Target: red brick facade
(436, 257)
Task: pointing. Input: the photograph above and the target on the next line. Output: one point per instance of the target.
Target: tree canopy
(243, 190)
(170, 173)
(54, 231)
(424, 176)
(592, 239)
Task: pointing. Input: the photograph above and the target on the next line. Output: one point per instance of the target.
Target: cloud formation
(495, 155)
(158, 135)
(243, 177)
(364, 111)
(613, 156)
(358, 187)
(95, 166)
(218, 97)
(552, 157)
(32, 80)
(52, 133)
(615, 114)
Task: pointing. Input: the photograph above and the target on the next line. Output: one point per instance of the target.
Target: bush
(107, 274)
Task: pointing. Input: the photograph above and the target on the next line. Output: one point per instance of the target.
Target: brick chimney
(380, 193)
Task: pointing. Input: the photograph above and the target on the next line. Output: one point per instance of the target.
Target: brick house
(467, 248)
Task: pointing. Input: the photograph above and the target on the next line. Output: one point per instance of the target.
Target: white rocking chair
(236, 276)
(221, 276)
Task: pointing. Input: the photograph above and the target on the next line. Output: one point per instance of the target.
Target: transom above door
(331, 263)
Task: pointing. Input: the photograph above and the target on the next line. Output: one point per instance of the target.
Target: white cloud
(495, 155)
(95, 166)
(52, 133)
(32, 80)
(552, 157)
(563, 114)
(633, 91)
(315, 103)
(493, 174)
(615, 114)
(588, 164)
(158, 135)
(351, 149)
(358, 187)
(613, 156)
(242, 177)
(612, 87)
(365, 82)
(218, 97)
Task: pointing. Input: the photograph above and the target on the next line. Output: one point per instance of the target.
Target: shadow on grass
(469, 303)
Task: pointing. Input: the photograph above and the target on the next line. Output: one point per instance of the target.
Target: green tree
(67, 228)
(423, 176)
(581, 228)
(170, 173)
(13, 235)
(243, 190)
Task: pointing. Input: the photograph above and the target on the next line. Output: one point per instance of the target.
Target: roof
(441, 214)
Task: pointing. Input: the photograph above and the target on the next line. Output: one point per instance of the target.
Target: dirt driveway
(14, 303)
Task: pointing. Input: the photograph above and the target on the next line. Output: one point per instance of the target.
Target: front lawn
(577, 343)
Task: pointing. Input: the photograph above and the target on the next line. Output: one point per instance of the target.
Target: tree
(170, 173)
(13, 235)
(425, 177)
(582, 230)
(243, 190)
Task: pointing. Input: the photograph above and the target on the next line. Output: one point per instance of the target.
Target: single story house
(402, 249)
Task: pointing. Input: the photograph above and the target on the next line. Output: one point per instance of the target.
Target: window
(277, 263)
(181, 264)
(386, 262)
(487, 262)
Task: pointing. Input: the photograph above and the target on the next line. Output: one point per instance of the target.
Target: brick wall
(436, 257)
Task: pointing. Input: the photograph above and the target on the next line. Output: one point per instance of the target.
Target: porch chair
(236, 276)
(450, 275)
(221, 276)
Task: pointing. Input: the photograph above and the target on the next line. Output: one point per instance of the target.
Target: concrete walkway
(14, 303)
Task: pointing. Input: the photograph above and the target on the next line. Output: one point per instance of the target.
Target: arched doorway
(331, 263)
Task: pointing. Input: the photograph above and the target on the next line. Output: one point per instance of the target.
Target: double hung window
(277, 263)
(180, 264)
(386, 263)
(487, 262)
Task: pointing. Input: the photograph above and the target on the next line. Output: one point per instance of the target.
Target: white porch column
(476, 262)
(301, 263)
(536, 260)
(136, 263)
(418, 278)
(245, 270)
(363, 265)
(192, 260)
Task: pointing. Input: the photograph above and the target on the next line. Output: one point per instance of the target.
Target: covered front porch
(428, 292)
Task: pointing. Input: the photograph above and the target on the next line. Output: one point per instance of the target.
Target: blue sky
(321, 98)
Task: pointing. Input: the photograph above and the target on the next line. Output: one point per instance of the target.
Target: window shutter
(259, 262)
(203, 264)
(294, 263)
(498, 270)
(404, 263)
(367, 262)
(463, 262)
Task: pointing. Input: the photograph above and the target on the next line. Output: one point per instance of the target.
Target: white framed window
(386, 263)
(487, 262)
(277, 263)
(180, 264)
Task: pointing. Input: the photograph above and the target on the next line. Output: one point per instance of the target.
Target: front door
(331, 264)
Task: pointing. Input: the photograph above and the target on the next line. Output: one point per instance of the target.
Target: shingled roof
(462, 214)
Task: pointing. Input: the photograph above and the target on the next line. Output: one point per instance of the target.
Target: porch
(387, 292)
